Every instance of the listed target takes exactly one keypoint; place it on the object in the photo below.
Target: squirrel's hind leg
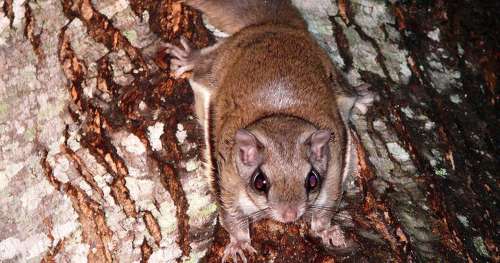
(184, 57)
(198, 62)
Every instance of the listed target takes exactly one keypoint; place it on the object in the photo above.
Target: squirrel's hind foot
(184, 58)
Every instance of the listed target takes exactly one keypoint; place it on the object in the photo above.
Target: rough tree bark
(100, 154)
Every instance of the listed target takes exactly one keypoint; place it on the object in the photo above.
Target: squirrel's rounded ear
(319, 143)
(247, 147)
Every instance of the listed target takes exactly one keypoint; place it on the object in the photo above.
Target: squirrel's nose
(289, 215)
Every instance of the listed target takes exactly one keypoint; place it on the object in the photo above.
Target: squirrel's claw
(236, 249)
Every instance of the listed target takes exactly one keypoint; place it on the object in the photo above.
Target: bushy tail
(231, 16)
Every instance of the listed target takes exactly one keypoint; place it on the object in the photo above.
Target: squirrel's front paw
(185, 57)
(236, 249)
(334, 238)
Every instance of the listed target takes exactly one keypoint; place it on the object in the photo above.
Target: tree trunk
(100, 153)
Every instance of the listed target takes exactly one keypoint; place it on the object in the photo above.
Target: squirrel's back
(231, 16)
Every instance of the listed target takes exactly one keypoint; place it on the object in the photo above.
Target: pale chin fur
(248, 207)
(276, 217)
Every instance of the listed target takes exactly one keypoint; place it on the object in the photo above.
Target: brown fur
(232, 16)
(270, 70)
(272, 79)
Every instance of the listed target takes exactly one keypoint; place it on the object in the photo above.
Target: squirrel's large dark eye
(259, 181)
(312, 180)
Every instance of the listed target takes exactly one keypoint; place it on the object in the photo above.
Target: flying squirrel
(275, 117)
